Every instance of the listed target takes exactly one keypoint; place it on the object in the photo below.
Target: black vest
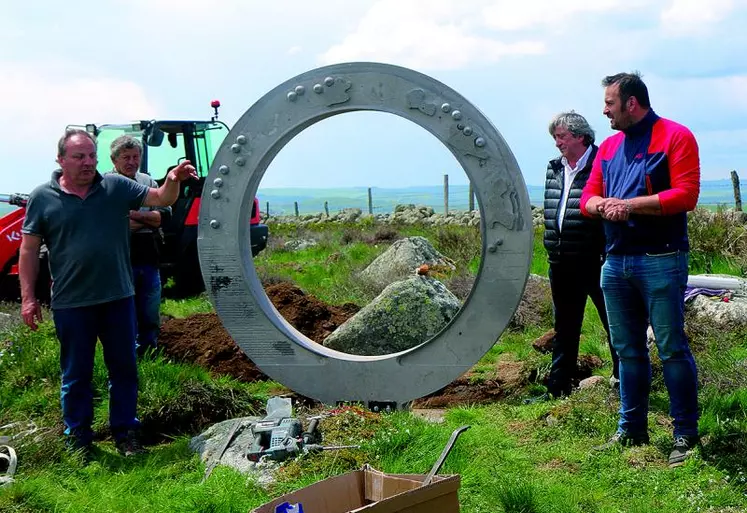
(581, 237)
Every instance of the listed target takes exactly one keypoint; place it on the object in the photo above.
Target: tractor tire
(44, 279)
(187, 275)
(10, 285)
(10, 289)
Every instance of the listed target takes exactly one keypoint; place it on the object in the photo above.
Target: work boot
(683, 446)
(623, 439)
(130, 444)
(84, 450)
(614, 383)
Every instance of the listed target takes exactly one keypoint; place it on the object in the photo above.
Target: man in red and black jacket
(643, 182)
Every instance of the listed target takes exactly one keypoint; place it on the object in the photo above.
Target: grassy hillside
(516, 458)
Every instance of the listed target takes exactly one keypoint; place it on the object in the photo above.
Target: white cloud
(37, 105)
(40, 103)
(442, 34)
(293, 50)
(689, 17)
(526, 14)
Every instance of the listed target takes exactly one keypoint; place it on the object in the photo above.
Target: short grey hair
(125, 142)
(575, 123)
(72, 132)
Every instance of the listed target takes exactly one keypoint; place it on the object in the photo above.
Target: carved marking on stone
(219, 282)
(416, 100)
(466, 146)
(337, 92)
(283, 347)
(509, 214)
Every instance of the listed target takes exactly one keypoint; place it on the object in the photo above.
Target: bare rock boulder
(591, 382)
(400, 261)
(209, 443)
(544, 343)
(720, 315)
(404, 315)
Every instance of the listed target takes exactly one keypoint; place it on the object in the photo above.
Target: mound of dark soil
(507, 378)
(306, 313)
(202, 340)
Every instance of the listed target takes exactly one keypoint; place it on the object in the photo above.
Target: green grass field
(515, 458)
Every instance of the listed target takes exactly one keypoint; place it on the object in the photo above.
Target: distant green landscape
(281, 199)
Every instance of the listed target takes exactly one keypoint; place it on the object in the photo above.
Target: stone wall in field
(403, 214)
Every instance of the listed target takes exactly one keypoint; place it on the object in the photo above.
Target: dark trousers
(77, 329)
(572, 281)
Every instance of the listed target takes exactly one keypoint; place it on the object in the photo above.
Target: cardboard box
(370, 491)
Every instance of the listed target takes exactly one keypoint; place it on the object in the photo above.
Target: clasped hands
(614, 209)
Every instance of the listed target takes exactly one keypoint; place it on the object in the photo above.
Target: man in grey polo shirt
(83, 217)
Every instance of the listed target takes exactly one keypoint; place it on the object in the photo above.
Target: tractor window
(208, 141)
(104, 140)
(162, 158)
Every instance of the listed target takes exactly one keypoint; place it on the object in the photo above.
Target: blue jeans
(643, 289)
(77, 329)
(147, 281)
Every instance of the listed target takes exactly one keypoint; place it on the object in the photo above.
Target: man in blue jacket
(644, 181)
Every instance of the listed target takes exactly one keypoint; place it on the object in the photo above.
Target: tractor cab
(165, 145)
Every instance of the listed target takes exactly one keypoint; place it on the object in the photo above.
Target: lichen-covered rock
(400, 261)
(404, 315)
(209, 443)
(720, 315)
(299, 244)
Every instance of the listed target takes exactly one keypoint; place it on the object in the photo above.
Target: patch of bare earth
(471, 388)
(201, 338)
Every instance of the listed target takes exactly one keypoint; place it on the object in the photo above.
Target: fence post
(267, 209)
(471, 197)
(737, 192)
(446, 194)
(326, 209)
(295, 207)
(370, 202)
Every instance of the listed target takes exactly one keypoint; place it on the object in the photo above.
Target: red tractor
(10, 242)
(165, 144)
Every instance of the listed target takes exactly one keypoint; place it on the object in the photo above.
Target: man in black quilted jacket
(575, 247)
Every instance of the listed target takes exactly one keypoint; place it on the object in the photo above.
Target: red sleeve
(594, 185)
(684, 174)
